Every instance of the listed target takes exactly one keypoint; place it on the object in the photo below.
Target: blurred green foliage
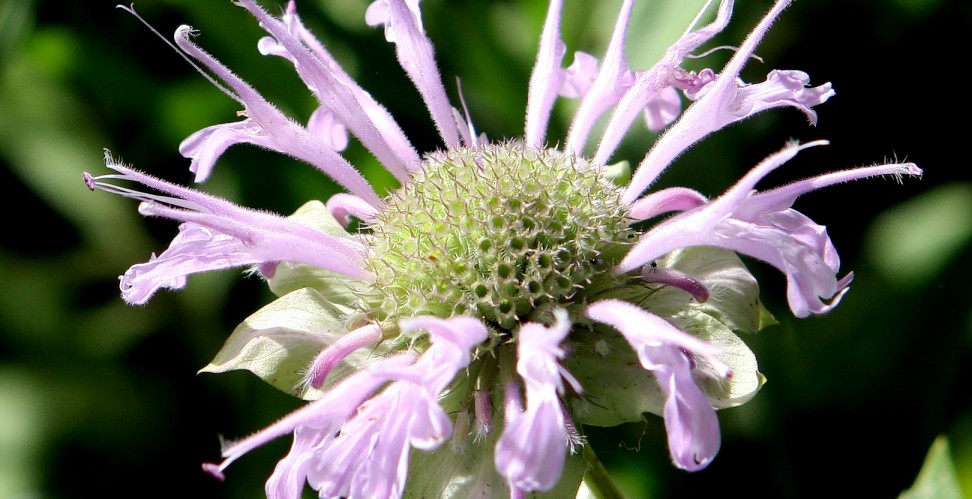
(937, 479)
(98, 398)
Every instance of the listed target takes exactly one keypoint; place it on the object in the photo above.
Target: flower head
(499, 269)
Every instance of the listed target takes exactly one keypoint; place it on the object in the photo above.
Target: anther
(89, 181)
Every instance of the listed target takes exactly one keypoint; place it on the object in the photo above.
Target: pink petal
(546, 79)
(763, 226)
(403, 27)
(264, 126)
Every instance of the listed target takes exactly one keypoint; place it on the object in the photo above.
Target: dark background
(101, 399)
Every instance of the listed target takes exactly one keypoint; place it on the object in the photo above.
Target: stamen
(214, 470)
(672, 277)
(698, 18)
(721, 47)
(99, 183)
(207, 76)
(473, 141)
(89, 181)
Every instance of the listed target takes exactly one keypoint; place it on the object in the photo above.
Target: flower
(530, 453)
(345, 446)
(498, 269)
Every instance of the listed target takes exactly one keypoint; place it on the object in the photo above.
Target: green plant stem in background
(597, 477)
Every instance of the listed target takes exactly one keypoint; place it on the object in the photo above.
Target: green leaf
(279, 341)
(937, 479)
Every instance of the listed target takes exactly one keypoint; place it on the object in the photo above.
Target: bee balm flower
(509, 292)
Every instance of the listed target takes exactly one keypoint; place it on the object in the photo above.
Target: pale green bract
(619, 390)
(278, 342)
(458, 474)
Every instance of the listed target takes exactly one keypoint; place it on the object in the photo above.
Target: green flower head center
(501, 233)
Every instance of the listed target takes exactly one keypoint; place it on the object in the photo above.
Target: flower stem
(597, 478)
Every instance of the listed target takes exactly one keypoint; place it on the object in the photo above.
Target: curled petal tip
(696, 463)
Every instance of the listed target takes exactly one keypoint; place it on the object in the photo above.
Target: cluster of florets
(498, 231)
